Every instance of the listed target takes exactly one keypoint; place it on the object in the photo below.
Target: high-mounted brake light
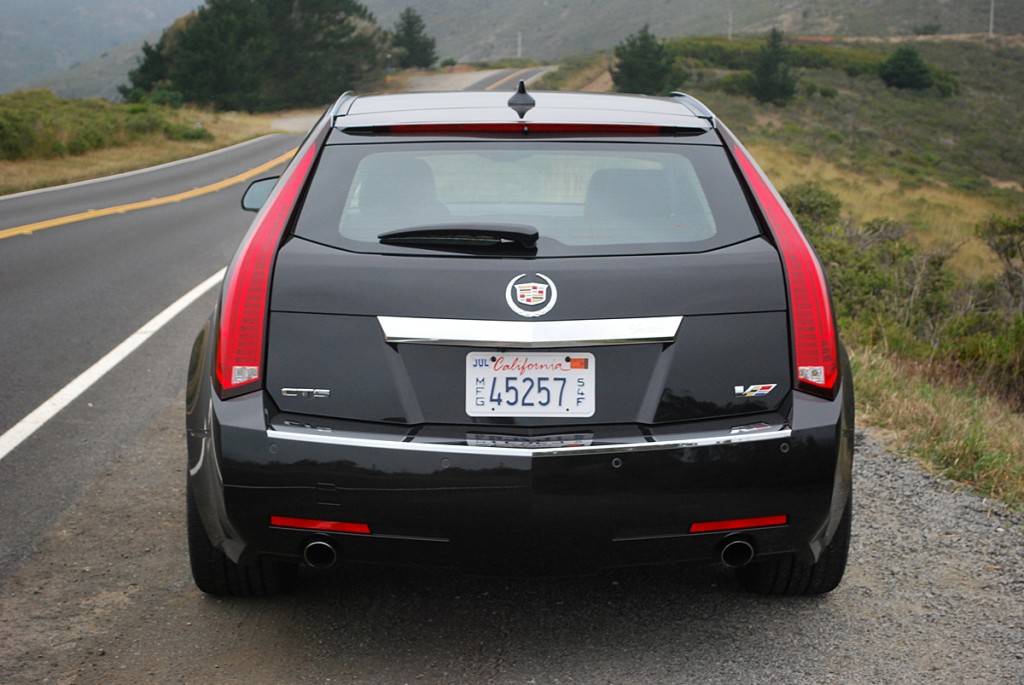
(518, 128)
(247, 287)
(814, 334)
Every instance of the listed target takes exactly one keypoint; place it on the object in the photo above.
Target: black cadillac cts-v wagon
(545, 334)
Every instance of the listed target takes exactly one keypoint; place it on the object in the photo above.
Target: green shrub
(167, 98)
(16, 137)
(812, 205)
(184, 132)
(906, 69)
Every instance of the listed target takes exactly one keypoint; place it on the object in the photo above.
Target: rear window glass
(583, 198)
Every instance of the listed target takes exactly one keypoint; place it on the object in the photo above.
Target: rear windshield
(582, 198)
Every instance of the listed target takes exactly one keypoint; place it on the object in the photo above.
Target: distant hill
(41, 37)
(472, 30)
(98, 77)
(92, 44)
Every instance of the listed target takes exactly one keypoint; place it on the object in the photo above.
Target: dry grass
(940, 218)
(951, 425)
(228, 128)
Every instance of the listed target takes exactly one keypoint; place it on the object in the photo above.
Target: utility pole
(991, 18)
(519, 44)
(729, 34)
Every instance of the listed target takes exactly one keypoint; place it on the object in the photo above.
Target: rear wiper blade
(468, 234)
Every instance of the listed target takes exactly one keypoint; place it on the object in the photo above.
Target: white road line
(70, 392)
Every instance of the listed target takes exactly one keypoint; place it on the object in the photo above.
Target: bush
(906, 69)
(812, 205)
(185, 132)
(1005, 236)
(16, 137)
(167, 98)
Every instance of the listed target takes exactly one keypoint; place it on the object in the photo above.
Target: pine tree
(643, 65)
(773, 81)
(414, 47)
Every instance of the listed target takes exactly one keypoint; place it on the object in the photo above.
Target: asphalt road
(94, 580)
(507, 79)
(70, 293)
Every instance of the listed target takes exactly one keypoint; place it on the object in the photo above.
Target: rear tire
(787, 576)
(214, 573)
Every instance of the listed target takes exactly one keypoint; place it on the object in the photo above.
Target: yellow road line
(146, 204)
(513, 75)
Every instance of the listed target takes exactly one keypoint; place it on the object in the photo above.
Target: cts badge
(753, 390)
(531, 295)
(318, 393)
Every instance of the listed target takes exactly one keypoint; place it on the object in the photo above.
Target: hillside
(470, 30)
(40, 37)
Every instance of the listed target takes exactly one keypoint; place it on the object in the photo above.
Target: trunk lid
(328, 355)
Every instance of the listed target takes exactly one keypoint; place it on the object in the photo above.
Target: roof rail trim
(694, 105)
(342, 105)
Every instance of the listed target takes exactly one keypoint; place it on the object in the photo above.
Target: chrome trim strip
(351, 441)
(529, 334)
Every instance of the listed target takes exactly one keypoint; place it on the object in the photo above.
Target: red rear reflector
(244, 312)
(814, 333)
(314, 524)
(737, 524)
(523, 128)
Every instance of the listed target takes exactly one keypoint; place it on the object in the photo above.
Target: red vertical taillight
(243, 315)
(814, 334)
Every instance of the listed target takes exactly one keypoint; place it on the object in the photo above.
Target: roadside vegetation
(39, 125)
(46, 140)
(904, 164)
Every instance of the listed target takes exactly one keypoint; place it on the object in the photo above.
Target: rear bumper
(526, 504)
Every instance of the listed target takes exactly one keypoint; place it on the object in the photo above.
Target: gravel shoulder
(934, 593)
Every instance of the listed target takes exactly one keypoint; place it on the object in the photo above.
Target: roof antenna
(521, 102)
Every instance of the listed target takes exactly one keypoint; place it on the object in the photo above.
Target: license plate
(530, 384)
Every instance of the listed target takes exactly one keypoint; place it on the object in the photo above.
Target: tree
(643, 65)
(263, 54)
(323, 48)
(906, 69)
(415, 47)
(219, 58)
(773, 80)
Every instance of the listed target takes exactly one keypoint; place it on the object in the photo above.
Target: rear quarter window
(583, 198)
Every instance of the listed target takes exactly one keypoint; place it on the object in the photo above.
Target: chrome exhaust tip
(737, 552)
(319, 554)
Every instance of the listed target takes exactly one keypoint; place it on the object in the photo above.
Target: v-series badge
(753, 390)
